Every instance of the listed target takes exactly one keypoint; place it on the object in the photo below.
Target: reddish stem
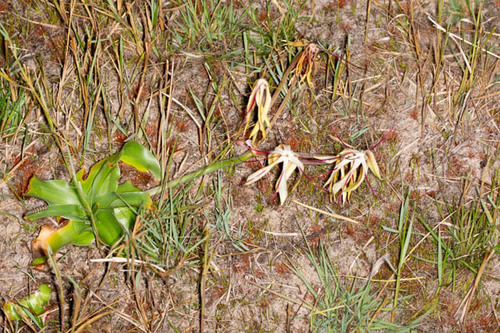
(382, 138)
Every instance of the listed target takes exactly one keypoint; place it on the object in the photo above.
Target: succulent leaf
(31, 304)
(53, 191)
(140, 158)
(73, 232)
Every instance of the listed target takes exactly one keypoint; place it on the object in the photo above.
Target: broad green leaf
(114, 207)
(125, 216)
(71, 212)
(127, 187)
(34, 303)
(103, 177)
(110, 230)
(53, 191)
(74, 232)
(140, 158)
(133, 199)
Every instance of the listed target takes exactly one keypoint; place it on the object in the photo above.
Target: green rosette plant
(92, 204)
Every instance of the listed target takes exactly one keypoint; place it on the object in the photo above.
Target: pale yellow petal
(372, 163)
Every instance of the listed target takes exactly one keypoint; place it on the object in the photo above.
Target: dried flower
(281, 154)
(305, 64)
(351, 168)
(262, 98)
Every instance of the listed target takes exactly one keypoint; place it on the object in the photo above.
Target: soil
(435, 150)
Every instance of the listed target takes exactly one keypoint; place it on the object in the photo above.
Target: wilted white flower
(281, 154)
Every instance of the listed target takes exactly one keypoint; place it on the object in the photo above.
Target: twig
(337, 216)
(127, 260)
(203, 277)
(464, 305)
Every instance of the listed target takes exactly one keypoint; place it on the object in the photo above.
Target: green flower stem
(203, 171)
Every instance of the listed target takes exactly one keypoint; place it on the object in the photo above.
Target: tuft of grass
(459, 9)
(349, 306)
(206, 25)
(170, 238)
(346, 306)
(221, 215)
(12, 108)
(470, 231)
(405, 229)
(265, 32)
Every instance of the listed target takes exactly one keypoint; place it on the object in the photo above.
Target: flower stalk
(201, 172)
